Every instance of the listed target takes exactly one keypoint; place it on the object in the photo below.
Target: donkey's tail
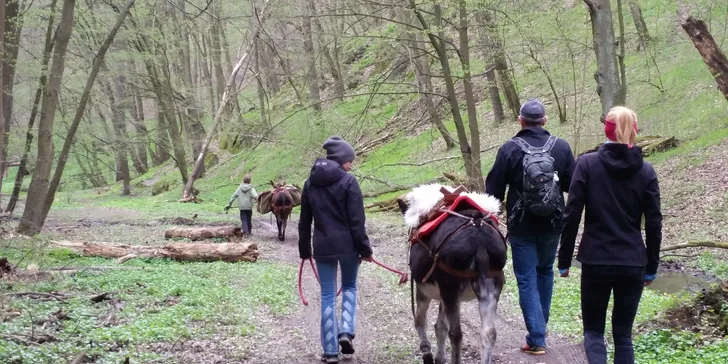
(482, 260)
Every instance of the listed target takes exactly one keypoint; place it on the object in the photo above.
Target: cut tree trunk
(193, 252)
(231, 233)
(649, 144)
(712, 55)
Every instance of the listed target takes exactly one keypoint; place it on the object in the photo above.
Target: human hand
(564, 272)
(649, 278)
(368, 259)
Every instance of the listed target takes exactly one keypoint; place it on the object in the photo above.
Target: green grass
(158, 301)
(668, 347)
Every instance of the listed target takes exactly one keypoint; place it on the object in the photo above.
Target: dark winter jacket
(508, 171)
(333, 201)
(617, 187)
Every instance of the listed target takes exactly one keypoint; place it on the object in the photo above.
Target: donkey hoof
(427, 358)
(281, 238)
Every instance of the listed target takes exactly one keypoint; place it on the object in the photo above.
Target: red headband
(610, 128)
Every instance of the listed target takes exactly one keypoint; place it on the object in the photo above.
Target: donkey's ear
(272, 183)
(402, 206)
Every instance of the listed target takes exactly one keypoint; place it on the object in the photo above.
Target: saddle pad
(430, 226)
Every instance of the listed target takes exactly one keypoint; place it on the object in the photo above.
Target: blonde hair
(626, 124)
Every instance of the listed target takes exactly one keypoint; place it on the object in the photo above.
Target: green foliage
(159, 301)
(669, 347)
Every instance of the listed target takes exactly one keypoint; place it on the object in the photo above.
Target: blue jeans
(330, 329)
(533, 264)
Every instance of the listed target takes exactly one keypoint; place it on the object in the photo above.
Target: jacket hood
(326, 172)
(620, 160)
(246, 187)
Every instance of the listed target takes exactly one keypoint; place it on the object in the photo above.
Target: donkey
(282, 205)
(461, 260)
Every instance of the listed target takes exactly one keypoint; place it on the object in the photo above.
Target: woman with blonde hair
(617, 188)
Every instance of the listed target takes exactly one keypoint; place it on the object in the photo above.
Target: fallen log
(193, 252)
(696, 244)
(398, 188)
(650, 144)
(230, 233)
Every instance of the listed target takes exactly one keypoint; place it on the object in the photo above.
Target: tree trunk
(188, 194)
(334, 66)
(98, 60)
(4, 123)
(639, 23)
(48, 45)
(259, 79)
(12, 29)
(712, 55)
(161, 153)
(486, 36)
(120, 141)
(32, 220)
(184, 252)
(311, 73)
(207, 72)
(216, 51)
(442, 56)
(138, 152)
(229, 233)
(473, 166)
(609, 85)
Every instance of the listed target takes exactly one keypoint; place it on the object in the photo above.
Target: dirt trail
(385, 332)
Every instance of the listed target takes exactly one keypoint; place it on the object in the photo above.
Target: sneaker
(347, 347)
(533, 350)
(330, 359)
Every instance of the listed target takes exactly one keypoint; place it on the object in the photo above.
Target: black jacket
(618, 188)
(508, 171)
(333, 201)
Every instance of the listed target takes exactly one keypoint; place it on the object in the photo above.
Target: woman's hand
(368, 259)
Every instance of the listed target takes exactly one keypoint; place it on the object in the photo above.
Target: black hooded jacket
(333, 202)
(617, 187)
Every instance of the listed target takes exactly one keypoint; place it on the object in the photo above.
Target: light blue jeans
(533, 265)
(330, 329)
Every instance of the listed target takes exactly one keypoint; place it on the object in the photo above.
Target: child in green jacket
(246, 196)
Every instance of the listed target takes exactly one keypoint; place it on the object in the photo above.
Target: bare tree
(712, 55)
(47, 48)
(308, 50)
(640, 25)
(609, 82)
(32, 220)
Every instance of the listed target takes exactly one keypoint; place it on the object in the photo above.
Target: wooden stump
(229, 233)
(193, 252)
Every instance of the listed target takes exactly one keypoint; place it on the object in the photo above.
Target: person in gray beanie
(332, 201)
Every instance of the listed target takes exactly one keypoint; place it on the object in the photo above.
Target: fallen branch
(80, 358)
(18, 339)
(55, 296)
(696, 244)
(650, 144)
(401, 188)
(100, 297)
(192, 252)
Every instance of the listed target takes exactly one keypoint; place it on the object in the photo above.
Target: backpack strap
(525, 147)
(549, 144)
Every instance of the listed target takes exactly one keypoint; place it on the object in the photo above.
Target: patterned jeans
(330, 329)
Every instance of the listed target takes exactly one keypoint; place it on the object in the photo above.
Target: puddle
(671, 282)
(674, 282)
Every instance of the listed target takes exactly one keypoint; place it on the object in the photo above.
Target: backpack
(541, 192)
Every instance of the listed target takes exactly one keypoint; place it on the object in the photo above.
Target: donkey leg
(423, 304)
(441, 328)
(488, 292)
(452, 312)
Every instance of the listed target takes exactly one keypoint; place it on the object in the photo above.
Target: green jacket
(246, 196)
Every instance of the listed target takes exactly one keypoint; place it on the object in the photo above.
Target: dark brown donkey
(460, 260)
(281, 205)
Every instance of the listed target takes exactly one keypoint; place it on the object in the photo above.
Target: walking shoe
(347, 347)
(533, 350)
(330, 359)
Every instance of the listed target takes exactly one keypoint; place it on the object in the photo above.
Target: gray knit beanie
(339, 150)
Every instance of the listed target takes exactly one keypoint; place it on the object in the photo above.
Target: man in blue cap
(537, 168)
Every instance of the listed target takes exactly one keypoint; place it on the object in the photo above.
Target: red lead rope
(402, 280)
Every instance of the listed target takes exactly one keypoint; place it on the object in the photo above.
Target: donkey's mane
(422, 199)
